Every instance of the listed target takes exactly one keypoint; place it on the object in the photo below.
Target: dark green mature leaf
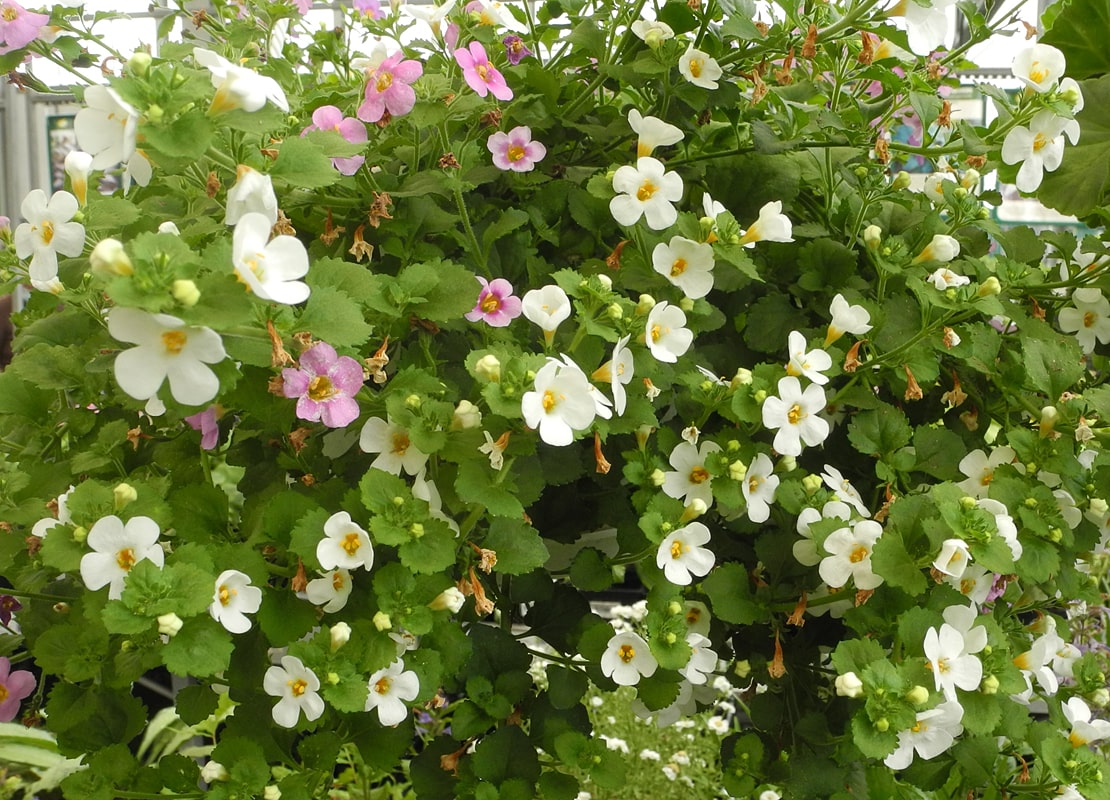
(476, 483)
(518, 546)
(880, 431)
(1077, 31)
(729, 592)
(1052, 365)
(891, 560)
(330, 315)
(201, 648)
(302, 162)
(1082, 181)
(505, 754)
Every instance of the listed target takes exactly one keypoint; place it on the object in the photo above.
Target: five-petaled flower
(18, 26)
(652, 132)
(809, 363)
(391, 689)
(1089, 320)
(107, 129)
(627, 658)
(771, 226)
(480, 74)
(666, 336)
(849, 550)
(1038, 147)
(238, 87)
(699, 68)
(646, 190)
(392, 444)
(253, 192)
(14, 687)
(389, 88)
(690, 480)
(515, 150)
(795, 414)
(233, 599)
(1039, 67)
(685, 263)
(681, 555)
(298, 687)
(934, 731)
(270, 268)
(515, 49)
(497, 306)
(562, 402)
(325, 384)
(49, 230)
(330, 118)
(617, 371)
(117, 547)
(758, 487)
(345, 545)
(330, 591)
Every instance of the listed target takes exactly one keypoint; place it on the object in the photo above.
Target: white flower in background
(490, 12)
(944, 278)
(617, 372)
(269, 267)
(344, 545)
(48, 230)
(330, 591)
(43, 526)
(1039, 67)
(975, 584)
(934, 186)
(1039, 148)
(434, 15)
(772, 226)
(1007, 529)
(233, 599)
(685, 263)
(1036, 662)
(758, 486)
(547, 307)
(652, 132)
(647, 754)
(953, 558)
(844, 489)
(849, 556)
(926, 25)
(107, 129)
(979, 469)
(1083, 729)
(646, 190)
(703, 660)
(942, 248)
(167, 348)
(426, 490)
(699, 68)
(1068, 509)
(561, 403)
(117, 547)
(652, 32)
(78, 164)
(805, 549)
(494, 450)
(682, 557)
(666, 336)
(627, 657)
(297, 686)
(395, 450)
(1071, 93)
(390, 691)
(238, 87)
(932, 734)
(1089, 320)
(718, 725)
(952, 660)
(253, 192)
(795, 415)
(697, 617)
(810, 363)
(846, 318)
(690, 480)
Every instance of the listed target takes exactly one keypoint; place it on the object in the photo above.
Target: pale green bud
(882, 725)
(186, 293)
(123, 494)
(918, 695)
(989, 287)
(811, 483)
(382, 621)
(657, 477)
(109, 260)
(169, 624)
(674, 608)
(488, 367)
(901, 181)
(737, 470)
(989, 685)
(614, 311)
(340, 634)
(686, 304)
(645, 304)
(139, 63)
(872, 236)
(849, 685)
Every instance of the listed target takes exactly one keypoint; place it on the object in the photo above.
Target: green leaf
(1077, 31)
(331, 315)
(110, 213)
(880, 431)
(182, 589)
(1082, 181)
(729, 593)
(431, 552)
(188, 137)
(897, 567)
(195, 703)
(476, 484)
(201, 648)
(1052, 365)
(518, 546)
(938, 453)
(504, 754)
(302, 162)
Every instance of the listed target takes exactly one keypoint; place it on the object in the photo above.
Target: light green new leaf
(302, 162)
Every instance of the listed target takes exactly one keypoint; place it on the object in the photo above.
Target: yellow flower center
(626, 653)
(693, 615)
(695, 67)
(174, 341)
(226, 594)
(967, 585)
(549, 401)
(126, 559)
(320, 388)
(337, 581)
(1039, 142)
(351, 543)
(298, 687)
(1076, 740)
(699, 475)
(918, 727)
(3, 688)
(677, 548)
(644, 193)
(643, 149)
(384, 81)
(9, 14)
(859, 554)
(483, 72)
(47, 232)
(795, 414)
(383, 685)
(678, 267)
(753, 483)
(516, 152)
(490, 304)
(400, 444)
(1037, 73)
(656, 332)
(1089, 319)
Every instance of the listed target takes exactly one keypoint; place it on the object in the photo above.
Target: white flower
(769, 794)
(617, 372)
(699, 68)
(646, 190)
(450, 599)
(213, 771)
(772, 226)
(167, 348)
(681, 556)
(685, 263)
(844, 489)
(718, 725)
(48, 230)
(703, 661)
(697, 617)
(979, 469)
(238, 87)
(690, 480)
(846, 319)
(953, 558)
(612, 742)
(561, 403)
(942, 248)
(849, 556)
(78, 164)
(652, 132)
(252, 192)
(805, 549)
(666, 337)
(758, 487)
(975, 584)
(117, 547)
(43, 526)
(297, 687)
(652, 32)
(330, 591)
(1089, 319)
(795, 415)
(849, 685)
(344, 545)
(1083, 729)
(627, 658)
(944, 278)
(927, 25)
(934, 732)
(647, 754)
(390, 689)
(494, 449)
(952, 664)
(107, 129)
(934, 186)
(1038, 148)
(1039, 67)
(392, 443)
(269, 268)
(810, 363)
(1005, 524)
(547, 307)
(233, 599)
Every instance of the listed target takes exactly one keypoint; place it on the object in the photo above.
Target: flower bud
(786, 464)
(214, 771)
(674, 608)
(970, 179)
(737, 470)
(186, 293)
(169, 227)
(109, 260)
(169, 624)
(1071, 94)
(416, 529)
(645, 304)
(332, 678)
(605, 280)
(466, 416)
(696, 508)
(78, 164)
(686, 304)
(139, 63)
(1100, 697)
(155, 113)
(989, 287)
(1049, 417)
(123, 494)
(1098, 506)
(382, 621)
(901, 181)
(811, 483)
(614, 311)
(849, 685)
(760, 395)
(643, 432)
(413, 402)
(743, 668)
(743, 377)
(450, 599)
(989, 685)
(959, 192)
(918, 695)
(941, 248)
(967, 503)
(271, 792)
(882, 725)
(80, 533)
(340, 634)
(657, 477)
(488, 367)
(872, 236)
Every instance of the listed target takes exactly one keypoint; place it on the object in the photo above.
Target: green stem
(49, 598)
(468, 229)
(556, 659)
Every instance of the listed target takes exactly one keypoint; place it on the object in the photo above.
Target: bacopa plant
(399, 339)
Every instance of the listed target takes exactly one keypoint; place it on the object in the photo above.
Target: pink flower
(496, 303)
(388, 89)
(480, 74)
(325, 386)
(14, 686)
(18, 26)
(369, 8)
(330, 118)
(303, 6)
(515, 49)
(515, 150)
(205, 422)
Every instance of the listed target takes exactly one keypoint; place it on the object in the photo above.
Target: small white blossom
(942, 248)
(979, 469)
(239, 87)
(253, 192)
(682, 557)
(689, 480)
(646, 190)
(850, 550)
(618, 372)
(944, 278)
(772, 226)
(270, 268)
(297, 686)
(627, 658)
(810, 363)
(699, 68)
(345, 544)
(1038, 147)
(795, 414)
(666, 336)
(117, 547)
(562, 402)
(953, 558)
(805, 549)
(547, 307)
(652, 132)
(395, 450)
(48, 231)
(844, 489)
(233, 599)
(1089, 320)
(685, 263)
(703, 660)
(1039, 67)
(933, 733)
(846, 319)
(391, 689)
(759, 487)
(330, 591)
(652, 32)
